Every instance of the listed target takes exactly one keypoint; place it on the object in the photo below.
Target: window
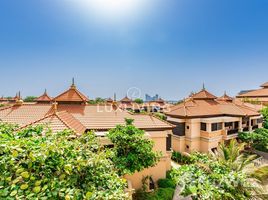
(260, 120)
(228, 124)
(179, 130)
(236, 125)
(216, 126)
(168, 143)
(203, 126)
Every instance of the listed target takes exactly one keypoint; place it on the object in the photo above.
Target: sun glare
(111, 10)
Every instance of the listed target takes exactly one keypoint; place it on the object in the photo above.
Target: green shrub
(159, 194)
(57, 166)
(166, 183)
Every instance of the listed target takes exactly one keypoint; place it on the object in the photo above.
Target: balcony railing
(233, 131)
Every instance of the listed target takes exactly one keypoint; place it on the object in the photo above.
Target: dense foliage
(133, 152)
(264, 113)
(226, 175)
(98, 100)
(29, 99)
(160, 116)
(257, 139)
(139, 101)
(186, 158)
(36, 164)
(164, 191)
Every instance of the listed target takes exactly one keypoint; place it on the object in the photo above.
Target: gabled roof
(265, 85)
(203, 94)
(44, 98)
(109, 100)
(71, 95)
(208, 107)
(225, 97)
(60, 121)
(126, 99)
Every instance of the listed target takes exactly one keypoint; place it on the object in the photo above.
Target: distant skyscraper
(151, 98)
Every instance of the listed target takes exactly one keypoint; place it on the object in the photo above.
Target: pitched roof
(203, 94)
(255, 93)
(71, 95)
(265, 85)
(126, 99)
(225, 97)
(60, 121)
(193, 107)
(44, 98)
(24, 114)
(105, 117)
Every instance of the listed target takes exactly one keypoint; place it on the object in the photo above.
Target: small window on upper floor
(216, 126)
(203, 127)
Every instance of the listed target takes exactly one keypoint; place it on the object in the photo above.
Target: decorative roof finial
(114, 96)
(225, 93)
(45, 93)
(204, 86)
(73, 84)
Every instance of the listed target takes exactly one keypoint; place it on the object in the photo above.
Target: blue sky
(169, 47)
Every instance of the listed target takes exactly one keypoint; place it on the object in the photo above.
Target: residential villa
(70, 110)
(259, 96)
(203, 121)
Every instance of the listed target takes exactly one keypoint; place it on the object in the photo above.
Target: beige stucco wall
(178, 143)
(159, 171)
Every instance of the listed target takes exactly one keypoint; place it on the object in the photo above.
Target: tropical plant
(133, 152)
(264, 113)
(38, 164)
(258, 139)
(98, 100)
(227, 174)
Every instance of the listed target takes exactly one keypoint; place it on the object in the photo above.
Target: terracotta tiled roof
(126, 99)
(104, 117)
(225, 97)
(24, 114)
(203, 94)
(44, 98)
(77, 117)
(255, 93)
(265, 85)
(71, 95)
(210, 107)
(60, 121)
(109, 100)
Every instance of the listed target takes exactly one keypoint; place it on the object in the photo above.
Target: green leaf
(24, 186)
(37, 189)
(13, 193)
(25, 175)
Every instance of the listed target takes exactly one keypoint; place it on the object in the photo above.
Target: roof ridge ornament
(73, 86)
(204, 88)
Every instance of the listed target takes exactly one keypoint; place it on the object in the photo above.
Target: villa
(70, 110)
(259, 96)
(203, 121)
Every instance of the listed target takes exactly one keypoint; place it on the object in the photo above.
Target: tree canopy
(133, 152)
(29, 99)
(38, 164)
(225, 175)
(258, 139)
